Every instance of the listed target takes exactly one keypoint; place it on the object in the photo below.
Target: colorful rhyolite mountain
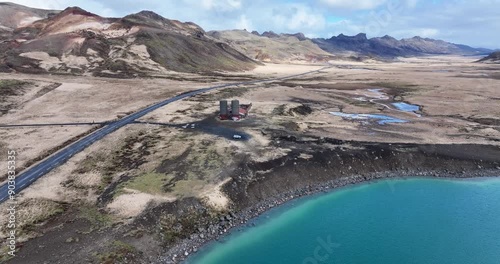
(74, 41)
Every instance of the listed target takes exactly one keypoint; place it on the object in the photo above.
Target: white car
(236, 136)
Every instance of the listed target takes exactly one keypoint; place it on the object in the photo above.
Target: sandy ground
(215, 197)
(132, 203)
(280, 70)
(32, 142)
(87, 99)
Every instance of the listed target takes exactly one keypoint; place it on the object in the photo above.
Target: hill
(271, 47)
(79, 42)
(492, 58)
(13, 15)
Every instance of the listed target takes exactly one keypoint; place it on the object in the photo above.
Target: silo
(235, 108)
(223, 108)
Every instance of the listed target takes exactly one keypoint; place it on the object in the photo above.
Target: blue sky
(475, 23)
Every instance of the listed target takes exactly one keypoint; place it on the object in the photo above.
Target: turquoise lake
(406, 221)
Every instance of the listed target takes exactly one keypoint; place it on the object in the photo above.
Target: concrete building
(237, 111)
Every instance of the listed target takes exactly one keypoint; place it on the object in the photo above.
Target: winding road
(30, 175)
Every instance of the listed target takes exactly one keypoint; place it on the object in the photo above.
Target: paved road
(33, 173)
(52, 124)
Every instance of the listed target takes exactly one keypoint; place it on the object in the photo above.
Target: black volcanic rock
(492, 58)
(153, 20)
(255, 33)
(358, 43)
(361, 37)
(75, 10)
(270, 34)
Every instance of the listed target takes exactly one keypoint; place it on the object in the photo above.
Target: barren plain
(157, 189)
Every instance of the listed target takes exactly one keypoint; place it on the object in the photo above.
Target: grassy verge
(97, 219)
(129, 155)
(183, 175)
(10, 84)
(148, 183)
(10, 88)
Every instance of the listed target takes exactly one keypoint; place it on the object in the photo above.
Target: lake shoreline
(318, 164)
(243, 219)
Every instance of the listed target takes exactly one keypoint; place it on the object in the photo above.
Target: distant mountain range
(389, 47)
(271, 47)
(74, 41)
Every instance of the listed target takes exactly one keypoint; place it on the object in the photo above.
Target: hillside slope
(78, 42)
(492, 58)
(271, 47)
(13, 15)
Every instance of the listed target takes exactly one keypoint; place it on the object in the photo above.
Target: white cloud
(411, 3)
(422, 32)
(354, 5)
(43, 4)
(428, 32)
(244, 23)
(221, 5)
(346, 27)
(298, 17)
(468, 22)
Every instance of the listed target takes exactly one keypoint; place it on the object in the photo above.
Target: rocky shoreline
(320, 165)
(183, 249)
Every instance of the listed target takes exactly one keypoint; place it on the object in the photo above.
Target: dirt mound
(288, 110)
(302, 110)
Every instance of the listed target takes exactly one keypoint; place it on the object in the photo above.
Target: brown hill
(13, 16)
(271, 47)
(78, 42)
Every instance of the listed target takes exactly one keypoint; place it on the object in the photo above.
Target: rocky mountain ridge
(75, 41)
(389, 47)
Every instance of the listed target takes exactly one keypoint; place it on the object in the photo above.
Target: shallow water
(415, 221)
(406, 107)
(380, 119)
(377, 93)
